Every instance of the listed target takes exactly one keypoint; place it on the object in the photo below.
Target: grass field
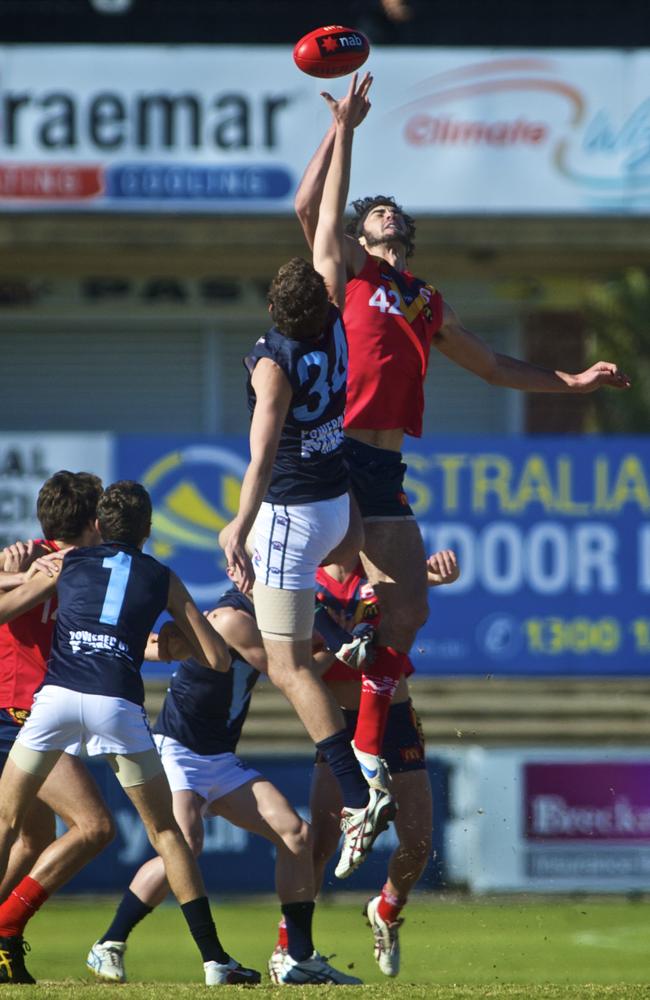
(451, 948)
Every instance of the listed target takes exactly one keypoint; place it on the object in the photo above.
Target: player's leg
(21, 779)
(39, 826)
(147, 890)
(146, 784)
(404, 750)
(394, 559)
(325, 809)
(259, 807)
(367, 811)
(290, 542)
(38, 830)
(22, 776)
(392, 554)
(70, 789)
(414, 827)
(395, 563)
(290, 669)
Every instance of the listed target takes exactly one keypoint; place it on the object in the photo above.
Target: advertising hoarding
(552, 537)
(231, 128)
(551, 820)
(28, 459)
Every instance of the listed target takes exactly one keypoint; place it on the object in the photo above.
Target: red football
(331, 51)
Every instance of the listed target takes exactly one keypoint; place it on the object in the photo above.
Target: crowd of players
(318, 505)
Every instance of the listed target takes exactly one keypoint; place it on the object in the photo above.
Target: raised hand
(354, 107)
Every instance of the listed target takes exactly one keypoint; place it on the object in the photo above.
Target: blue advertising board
(235, 861)
(552, 536)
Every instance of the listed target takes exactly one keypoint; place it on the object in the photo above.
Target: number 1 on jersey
(120, 567)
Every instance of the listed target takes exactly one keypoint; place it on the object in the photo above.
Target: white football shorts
(210, 776)
(62, 719)
(291, 541)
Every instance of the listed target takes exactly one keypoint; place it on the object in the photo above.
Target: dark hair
(299, 300)
(361, 207)
(124, 513)
(66, 502)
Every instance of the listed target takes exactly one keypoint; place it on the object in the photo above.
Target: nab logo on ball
(195, 493)
(331, 51)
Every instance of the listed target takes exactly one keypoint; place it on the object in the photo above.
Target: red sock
(390, 905)
(377, 689)
(20, 906)
(283, 937)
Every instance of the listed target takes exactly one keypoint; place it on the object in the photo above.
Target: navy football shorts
(377, 480)
(11, 720)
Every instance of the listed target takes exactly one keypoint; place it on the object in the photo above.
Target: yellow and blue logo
(195, 493)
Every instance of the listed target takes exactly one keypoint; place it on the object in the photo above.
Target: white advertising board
(231, 128)
(27, 460)
(550, 820)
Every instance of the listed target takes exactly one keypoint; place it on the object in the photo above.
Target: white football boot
(276, 963)
(231, 973)
(386, 938)
(312, 970)
(106, 960)
(361, 827)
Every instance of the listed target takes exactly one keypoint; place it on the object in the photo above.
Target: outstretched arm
(471, 352)
(309, 196)
(272, 398)
(25, 597)
(329, 239)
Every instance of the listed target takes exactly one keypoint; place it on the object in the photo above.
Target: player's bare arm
(310, 190)
(28, 595)
(240, 632)
(272, 397)
(210, 647)
(329, 238)
(442, 568)
(471, 352)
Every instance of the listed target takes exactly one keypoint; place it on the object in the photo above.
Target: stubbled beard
(385, 241)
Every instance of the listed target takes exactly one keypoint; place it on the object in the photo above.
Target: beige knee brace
(38, 762)
(135, 768)
(284, 615)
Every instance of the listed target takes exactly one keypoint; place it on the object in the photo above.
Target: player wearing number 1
(109, 597)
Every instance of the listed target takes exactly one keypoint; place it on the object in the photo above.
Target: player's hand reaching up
(603, 373)
(354, 107)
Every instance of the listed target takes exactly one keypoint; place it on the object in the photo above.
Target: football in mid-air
(331, 51)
